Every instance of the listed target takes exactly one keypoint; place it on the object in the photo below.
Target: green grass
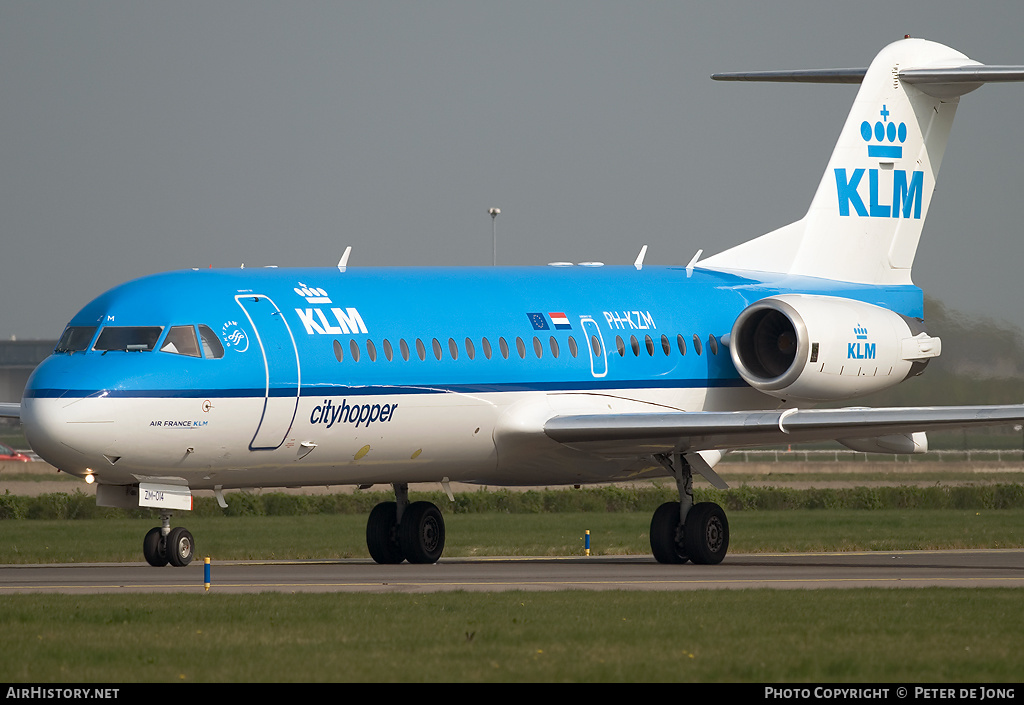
(870, 635)
(934, 635)
(320, 536)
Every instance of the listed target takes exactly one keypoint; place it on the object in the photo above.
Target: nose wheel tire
(180, 547)
(154, 548)
(177, 548)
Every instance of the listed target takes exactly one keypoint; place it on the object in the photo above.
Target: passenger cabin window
(181, 340)
(128, 338)
(75, 339)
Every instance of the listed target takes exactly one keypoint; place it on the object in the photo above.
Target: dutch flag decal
(561, 321)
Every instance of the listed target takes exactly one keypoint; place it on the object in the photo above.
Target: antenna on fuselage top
(640, 257)
(693, 262)
(343, 262)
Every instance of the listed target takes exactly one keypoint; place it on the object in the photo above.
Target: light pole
(495, 212)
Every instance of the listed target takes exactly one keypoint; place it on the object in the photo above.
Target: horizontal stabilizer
(796, 76)
(942, 81)
(971, 73)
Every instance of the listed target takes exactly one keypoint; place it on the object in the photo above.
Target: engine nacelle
(825, 348)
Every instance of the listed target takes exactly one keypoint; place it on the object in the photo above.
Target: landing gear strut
(164, 545)
(682, 531)
(398, 531)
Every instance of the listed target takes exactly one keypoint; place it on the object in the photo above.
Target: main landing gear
(398, 531)
(164, 545)
(682, 531)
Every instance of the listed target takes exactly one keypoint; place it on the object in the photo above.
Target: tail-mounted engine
(823, 348)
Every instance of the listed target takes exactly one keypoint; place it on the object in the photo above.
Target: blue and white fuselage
(321, 376)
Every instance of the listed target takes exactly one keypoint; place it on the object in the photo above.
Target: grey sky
(144, 136)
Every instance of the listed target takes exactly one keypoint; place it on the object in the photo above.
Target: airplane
(221, 379)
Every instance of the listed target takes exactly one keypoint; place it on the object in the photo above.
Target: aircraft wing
(649, 433)
(11, 410)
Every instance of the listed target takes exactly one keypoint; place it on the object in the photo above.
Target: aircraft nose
(64, 429)
(66, 434)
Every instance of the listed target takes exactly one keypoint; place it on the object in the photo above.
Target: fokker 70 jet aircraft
(275, 377)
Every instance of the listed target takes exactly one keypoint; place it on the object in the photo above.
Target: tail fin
(865, 219)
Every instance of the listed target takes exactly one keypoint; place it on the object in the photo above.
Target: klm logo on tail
(884, 141)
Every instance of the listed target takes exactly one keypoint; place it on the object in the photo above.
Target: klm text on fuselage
(315, 321)
(906, 195)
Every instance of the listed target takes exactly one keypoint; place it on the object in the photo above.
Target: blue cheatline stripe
(378, 390)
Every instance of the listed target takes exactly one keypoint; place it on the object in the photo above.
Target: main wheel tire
(154, 548)
(706, 534)
(180, 547)
(382, 534)
(421, 533)
(667, 535)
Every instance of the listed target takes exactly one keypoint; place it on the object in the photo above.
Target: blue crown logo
(885, 133)
(861, 332)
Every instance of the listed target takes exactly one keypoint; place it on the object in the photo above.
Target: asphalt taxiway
(969, 568)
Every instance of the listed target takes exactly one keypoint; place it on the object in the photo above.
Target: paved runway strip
(988, 568)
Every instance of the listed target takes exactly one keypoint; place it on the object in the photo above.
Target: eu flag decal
(538, 321)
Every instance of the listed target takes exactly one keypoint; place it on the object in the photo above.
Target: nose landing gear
(163, 545)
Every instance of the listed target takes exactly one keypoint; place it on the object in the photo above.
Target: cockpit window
(181, 340)
(128, 338)
(75, 339)
(212, 347)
